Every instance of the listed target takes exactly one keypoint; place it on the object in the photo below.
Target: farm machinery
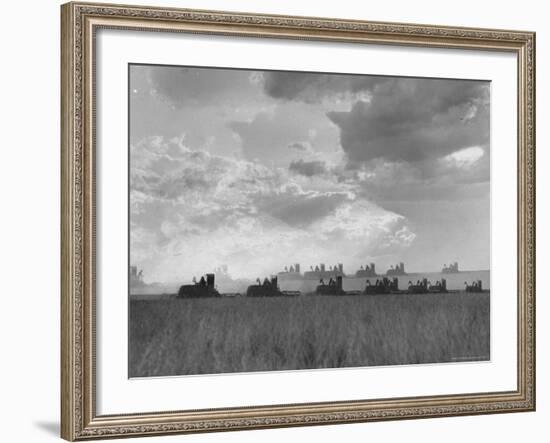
(333, 287)
(383, 286)
(424, 286)
(268, 288)
(201, 289)
(476, 286)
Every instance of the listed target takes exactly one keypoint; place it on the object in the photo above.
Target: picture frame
(80, 23)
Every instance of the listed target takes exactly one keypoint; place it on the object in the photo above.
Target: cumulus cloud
(414, 120)
(464, 158)
(411, 137)
(206, 210)
(384, 231)
(337, 164)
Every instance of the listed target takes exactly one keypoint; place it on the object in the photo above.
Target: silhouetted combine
(334, 287)
(439, 286)
(382, 286)
(204, 288)
(421, 287)
(291, 272)
(367, 271)
(451, 269)
(474, 287)
(424, 286)
(323, 273)
(399, 269)
(269, 288)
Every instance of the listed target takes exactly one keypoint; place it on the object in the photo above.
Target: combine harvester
(438, 287)
(321, 272)
(383, 286)
(425, 287)
(269, 289)
(334, 287)
(203, 289)
(399, 269)
(367, 271)
(451, 269)
(476, 286)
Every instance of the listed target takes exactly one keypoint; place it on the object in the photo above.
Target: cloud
(210, 188)
(169, 171)
(406, 137)
(315, 87)
(184, 86)
(296, 207)
(288, 132)
(336, 164)
(207, 210)
(308, 168)
(197, 102)
(464, 158)
(415, 119)
(430, 180)
(347, 221)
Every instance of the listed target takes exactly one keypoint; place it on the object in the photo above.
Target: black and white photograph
(314, 221)
(283, 221)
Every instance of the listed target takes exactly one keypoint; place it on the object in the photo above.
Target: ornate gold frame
(79, 21)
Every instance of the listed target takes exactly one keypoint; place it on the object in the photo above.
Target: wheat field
(221, 335)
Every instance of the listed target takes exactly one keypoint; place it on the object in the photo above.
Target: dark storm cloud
(312, 87)
(415, 119)
(308, 168)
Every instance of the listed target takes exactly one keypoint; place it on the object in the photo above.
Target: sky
(257, 170)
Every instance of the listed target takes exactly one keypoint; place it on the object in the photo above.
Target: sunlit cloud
(209, 210)
(464, 157)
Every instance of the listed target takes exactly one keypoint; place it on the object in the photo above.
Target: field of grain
(220, 335)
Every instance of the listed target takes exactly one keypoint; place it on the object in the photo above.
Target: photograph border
(79, 24)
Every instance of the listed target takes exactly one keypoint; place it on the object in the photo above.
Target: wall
(29, 233)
